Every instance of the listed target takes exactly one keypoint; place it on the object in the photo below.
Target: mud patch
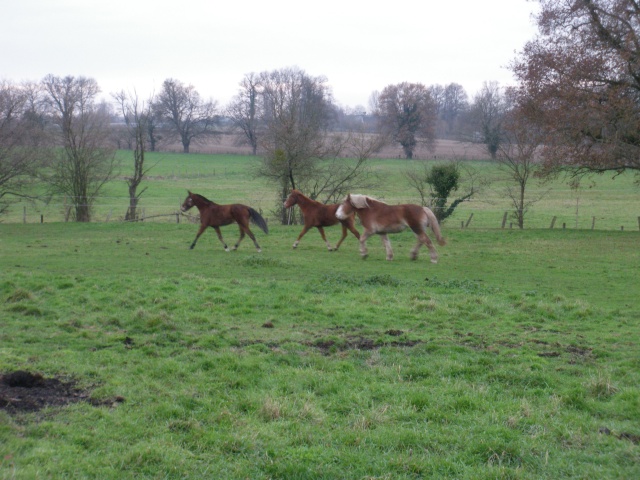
(357, 343)
(23, 391)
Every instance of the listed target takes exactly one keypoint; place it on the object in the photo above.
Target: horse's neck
(372, 202)
(201, 202)
(303, 201)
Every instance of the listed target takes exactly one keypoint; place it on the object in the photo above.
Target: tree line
(575, 108)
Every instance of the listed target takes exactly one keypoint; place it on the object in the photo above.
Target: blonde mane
(361, 201)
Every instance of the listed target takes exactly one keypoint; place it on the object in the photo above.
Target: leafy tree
(436, 183)
(407, 115)
(189, 117)
(582, 74)
(81, 159)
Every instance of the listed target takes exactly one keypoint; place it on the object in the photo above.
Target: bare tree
(301, 151)
(244, 110)
(81, 159)
(407, 115)
(582, 72)
(518, 158)
(137, 116)
(297, 118)
(454, 104)
(20, 134)
(487, 112)
(190, 118)
(335, 177)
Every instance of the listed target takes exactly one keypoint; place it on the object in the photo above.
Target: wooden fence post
(41, 218)
(593, 222)
(564, 226)
(638, 223)
(553, 222)
(504, 219)
(24, 214)
(469, 220)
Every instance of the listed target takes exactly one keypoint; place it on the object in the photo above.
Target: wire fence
(467, 215)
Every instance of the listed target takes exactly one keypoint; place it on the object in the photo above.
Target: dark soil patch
(23, 391)
(358, 343)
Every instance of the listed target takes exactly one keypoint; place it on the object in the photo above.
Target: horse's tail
(258, 220)
(435, 226)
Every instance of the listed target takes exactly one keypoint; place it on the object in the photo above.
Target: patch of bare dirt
(23, 391)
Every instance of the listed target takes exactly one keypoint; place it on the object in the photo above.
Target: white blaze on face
(340, 213)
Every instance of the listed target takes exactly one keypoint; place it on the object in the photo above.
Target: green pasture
(516, 356)
(603, 201)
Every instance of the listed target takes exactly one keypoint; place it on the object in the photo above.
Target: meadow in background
(614, 201)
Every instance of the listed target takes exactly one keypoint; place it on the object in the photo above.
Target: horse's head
(292, 199)
(345, 209)
(188, 202)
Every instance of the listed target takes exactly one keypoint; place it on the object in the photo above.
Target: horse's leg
(246, 230)
(217, 229)
(423, 238)
(324, 237)
(363, 244)
(387, 245)
(243, 229)
(200, 230)
(305, 229)
(344, 235)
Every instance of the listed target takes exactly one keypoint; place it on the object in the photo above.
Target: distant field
(227, 178)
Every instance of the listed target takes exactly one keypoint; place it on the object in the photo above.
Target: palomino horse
(319, 215)
(216, 216)
(379, 218)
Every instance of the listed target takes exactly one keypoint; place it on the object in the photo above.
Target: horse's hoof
(191, 247)
(364, 257)
(259, 250)
(434, 261)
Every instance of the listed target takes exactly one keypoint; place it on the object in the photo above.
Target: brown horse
(319, 215)
(216, 216)
(380, 218)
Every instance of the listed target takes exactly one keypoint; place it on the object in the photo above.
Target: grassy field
(614, 202)
(516, 356)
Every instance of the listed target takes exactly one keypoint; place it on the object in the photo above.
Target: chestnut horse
(319, 215)
(216, 216)
(380, 218)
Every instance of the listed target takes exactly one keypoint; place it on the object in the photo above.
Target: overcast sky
(360, 46)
